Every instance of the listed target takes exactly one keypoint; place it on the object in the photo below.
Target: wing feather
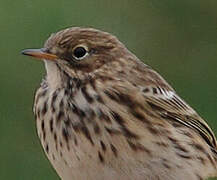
(169, 105)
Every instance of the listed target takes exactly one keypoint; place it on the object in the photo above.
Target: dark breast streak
(59, 113)
(67, 114)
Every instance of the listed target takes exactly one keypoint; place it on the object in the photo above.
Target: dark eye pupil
(79, 52)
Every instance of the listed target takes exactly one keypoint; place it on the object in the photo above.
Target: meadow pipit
(101, 114)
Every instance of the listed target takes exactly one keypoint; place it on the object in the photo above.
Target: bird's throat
(54, 78)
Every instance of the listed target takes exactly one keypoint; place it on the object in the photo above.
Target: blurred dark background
(177, 38)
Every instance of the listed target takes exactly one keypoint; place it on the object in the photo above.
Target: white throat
(53, 74)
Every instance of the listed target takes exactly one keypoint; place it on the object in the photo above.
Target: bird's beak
(39, 54)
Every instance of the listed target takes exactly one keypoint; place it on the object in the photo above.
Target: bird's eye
(79, 52)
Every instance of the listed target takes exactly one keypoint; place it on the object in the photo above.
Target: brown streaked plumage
(103, 114)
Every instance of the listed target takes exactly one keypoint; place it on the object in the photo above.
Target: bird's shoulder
(146, 89)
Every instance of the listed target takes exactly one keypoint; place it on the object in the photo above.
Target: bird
(102, 113)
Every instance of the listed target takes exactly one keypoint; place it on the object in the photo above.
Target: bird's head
(80, 51)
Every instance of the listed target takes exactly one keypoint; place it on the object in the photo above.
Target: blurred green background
(176, 37)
